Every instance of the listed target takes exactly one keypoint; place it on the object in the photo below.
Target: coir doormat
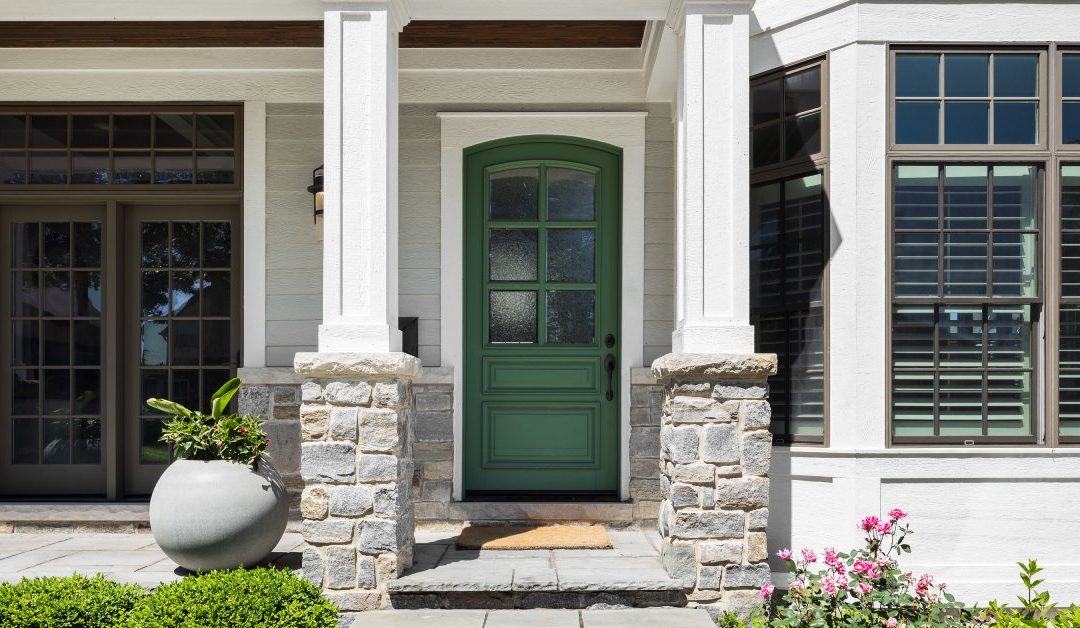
(533, 537)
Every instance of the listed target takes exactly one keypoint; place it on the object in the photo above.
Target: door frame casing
(624, 130)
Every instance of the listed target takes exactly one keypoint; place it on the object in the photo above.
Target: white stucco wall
(976, 511)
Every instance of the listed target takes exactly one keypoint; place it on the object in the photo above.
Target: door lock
(609, 366)
(609, 341)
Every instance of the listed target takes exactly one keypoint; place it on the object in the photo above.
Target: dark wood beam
(148, 34)
(523, 34)
(309, 34)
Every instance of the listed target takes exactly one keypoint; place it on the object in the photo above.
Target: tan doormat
(533, 537)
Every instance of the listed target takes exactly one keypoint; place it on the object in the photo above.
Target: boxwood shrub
(71, 602)
(270, 598)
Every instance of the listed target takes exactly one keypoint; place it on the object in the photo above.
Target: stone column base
(356, 462)
(714, 459)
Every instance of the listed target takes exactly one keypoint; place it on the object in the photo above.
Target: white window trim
(625, 130)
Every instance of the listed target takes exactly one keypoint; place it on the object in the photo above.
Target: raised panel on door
(183, 321)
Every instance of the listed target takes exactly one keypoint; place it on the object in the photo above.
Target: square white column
(712, 116)
(360, 220)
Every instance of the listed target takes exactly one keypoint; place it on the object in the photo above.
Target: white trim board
(625, 130)
(254, 242)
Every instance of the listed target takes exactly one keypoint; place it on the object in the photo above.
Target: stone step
(85, 517)
(443, 576)
(617, 513)
(550, 618)
(75, 517)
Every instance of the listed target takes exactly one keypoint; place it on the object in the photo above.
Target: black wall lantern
(316, 190)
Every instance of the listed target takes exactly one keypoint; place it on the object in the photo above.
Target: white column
(712, 115)
(360, 238)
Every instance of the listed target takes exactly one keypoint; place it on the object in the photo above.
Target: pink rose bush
(863, 587)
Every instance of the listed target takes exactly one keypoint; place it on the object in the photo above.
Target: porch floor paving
(131, 558)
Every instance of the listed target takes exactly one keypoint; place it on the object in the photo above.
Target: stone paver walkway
(132, 558)
(632, 565)
(621, 618)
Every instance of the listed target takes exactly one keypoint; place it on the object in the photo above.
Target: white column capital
(679, 9)
(397, 10)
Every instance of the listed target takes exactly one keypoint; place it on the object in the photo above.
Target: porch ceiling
(309, 34)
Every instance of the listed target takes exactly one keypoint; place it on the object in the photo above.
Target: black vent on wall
(410, 334)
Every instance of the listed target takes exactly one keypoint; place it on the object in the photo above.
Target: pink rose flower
(862, 566)
(830, 585)
(884, 527)
(869, 523)
(830, 556)
(809, 555)
(865, 588)
(896, 514)
(840, 569)
(922, 587)
(797, 585)
(891, 623)
(873, 573)
(784, 554)
(767, 591)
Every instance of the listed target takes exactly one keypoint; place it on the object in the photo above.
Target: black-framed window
(968, 98)
(118, 147)
(787, 263)
(966, 300)
(786, 116)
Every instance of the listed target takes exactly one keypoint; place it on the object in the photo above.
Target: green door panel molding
(541, 320)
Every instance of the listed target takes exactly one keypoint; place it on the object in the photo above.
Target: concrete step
(549, 618)
(617, 513)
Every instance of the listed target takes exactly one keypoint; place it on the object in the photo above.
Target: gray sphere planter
(216, 514)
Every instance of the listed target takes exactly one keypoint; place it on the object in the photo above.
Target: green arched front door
(542, 223)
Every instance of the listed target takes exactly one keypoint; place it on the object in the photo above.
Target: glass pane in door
(185, 313)
(55, 329)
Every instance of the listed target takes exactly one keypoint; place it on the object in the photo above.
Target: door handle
(609, 365)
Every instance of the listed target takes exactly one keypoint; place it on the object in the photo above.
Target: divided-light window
(788, 245)
(785, 113)
(985, 246)
(967, 98)
(118, 147)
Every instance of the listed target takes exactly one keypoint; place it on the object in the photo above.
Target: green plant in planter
(215, 436)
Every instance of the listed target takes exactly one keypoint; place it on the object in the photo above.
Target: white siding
(659, 232)
(293, 257)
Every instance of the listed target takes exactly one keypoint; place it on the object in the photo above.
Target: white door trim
(626, 130)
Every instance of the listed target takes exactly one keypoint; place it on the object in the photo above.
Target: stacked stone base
(356, 462)
(715, 447)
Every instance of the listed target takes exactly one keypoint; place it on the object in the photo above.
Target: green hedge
(72, 602)
(241, 599)
(270, 598)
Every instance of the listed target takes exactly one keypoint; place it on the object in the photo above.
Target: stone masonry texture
(357, 463)
(714, 450)
(279, 407)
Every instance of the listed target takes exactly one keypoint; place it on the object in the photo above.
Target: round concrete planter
(216, 514)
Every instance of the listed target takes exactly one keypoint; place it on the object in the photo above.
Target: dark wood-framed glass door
(182, 323)
(54, 301)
